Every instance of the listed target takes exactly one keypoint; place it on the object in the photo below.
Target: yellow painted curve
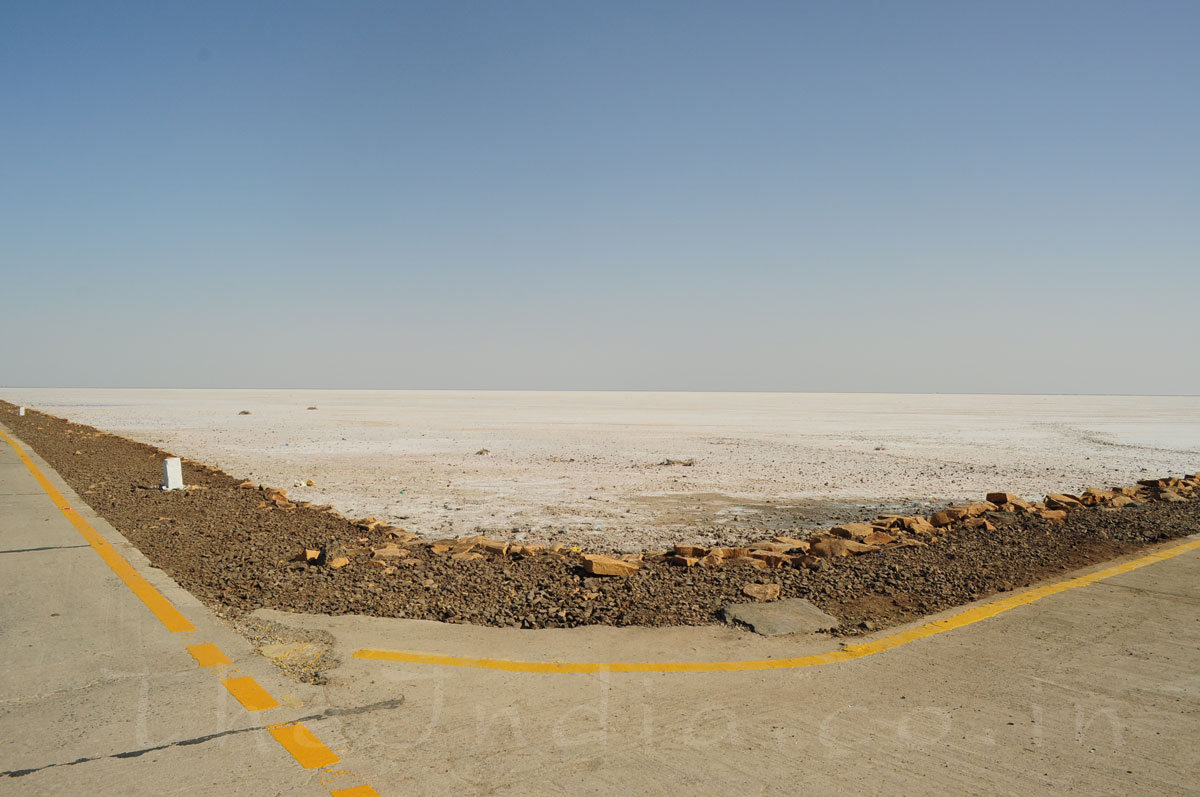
(849, 653)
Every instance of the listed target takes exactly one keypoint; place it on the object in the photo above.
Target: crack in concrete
(329, 713)
(1148, 591)
(46, 548)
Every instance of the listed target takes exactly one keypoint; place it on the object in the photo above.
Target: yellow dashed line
(138, 585)
(208, 655)
(357, 791)
(250, 694)
(306, 748)
(849, 653)
(298, 740)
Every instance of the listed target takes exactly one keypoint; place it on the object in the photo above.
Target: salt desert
(585, 467)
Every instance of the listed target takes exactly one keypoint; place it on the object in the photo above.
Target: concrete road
(97, 695)
(1094, 690)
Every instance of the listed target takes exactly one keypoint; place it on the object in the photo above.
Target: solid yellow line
(849, 653)
(138, 585)
(250, 694)
(208, 655)
(306, 748)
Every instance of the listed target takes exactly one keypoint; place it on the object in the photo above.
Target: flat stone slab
(790, 616)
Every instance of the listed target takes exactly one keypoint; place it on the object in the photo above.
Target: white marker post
(172, 474)
(21, 412)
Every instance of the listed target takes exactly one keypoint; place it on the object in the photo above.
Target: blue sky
(908, 197)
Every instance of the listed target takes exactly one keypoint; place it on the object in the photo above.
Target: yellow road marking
(849, 653)
(298, 740)
(138, 585)
(306, 748)
(250, 694)
(208, 655)
(357, 791)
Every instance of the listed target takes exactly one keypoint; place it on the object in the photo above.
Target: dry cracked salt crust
(585, 468)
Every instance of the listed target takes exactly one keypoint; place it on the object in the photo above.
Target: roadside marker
(172, 474)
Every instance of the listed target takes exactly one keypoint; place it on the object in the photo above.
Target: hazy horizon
(924, 198)
(293, 388)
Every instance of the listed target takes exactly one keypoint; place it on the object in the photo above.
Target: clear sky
(841, 196)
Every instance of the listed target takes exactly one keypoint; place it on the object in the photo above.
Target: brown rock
(917, 524)
(853, 531)
(600, 565)
(497, 547)
(246, 485)
(712, 559)
(691, 551)
(978, 523)
(829, 547)
(1063, 501)
(466, 556)
(1118, 501)
(312, 554)
(388, 551)
(683, 561)
(402, 535)
(730, 553)
(879, 538)
(1056, 516)
(1013, 501)
(338, 562)
(1171, 496)
(773, 559)
(792, 543)
(762, 592)
(948, 516)
(768, 546)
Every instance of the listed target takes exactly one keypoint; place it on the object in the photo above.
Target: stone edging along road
(958, 620)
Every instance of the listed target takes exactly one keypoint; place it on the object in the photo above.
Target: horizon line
(610, 390)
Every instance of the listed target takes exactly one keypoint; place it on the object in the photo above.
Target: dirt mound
(241, 546)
